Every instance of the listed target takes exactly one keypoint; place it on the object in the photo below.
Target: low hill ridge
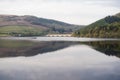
(12, 25)
(108, 27)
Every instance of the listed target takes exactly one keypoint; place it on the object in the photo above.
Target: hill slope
(118, 15)
(108, 27)
(12, 25)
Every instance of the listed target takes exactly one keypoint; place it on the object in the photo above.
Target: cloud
(71, 11)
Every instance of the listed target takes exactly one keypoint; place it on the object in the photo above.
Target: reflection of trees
(111, 48)
(28, 48)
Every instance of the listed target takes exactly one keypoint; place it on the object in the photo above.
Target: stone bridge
(58, 35)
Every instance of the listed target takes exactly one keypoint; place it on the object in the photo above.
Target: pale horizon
(80, 12)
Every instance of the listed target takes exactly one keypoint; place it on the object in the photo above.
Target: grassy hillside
(12, 25)
(52, 24)
(108, 27)
(21, 31)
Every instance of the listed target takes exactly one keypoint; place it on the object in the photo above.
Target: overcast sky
(81, 12)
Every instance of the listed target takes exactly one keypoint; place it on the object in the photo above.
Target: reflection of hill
(46, 47)
(111, 48)
(13, 48)
(27, 48)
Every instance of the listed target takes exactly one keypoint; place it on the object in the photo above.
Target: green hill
(118, 15)
(108, 27)
(12, 25)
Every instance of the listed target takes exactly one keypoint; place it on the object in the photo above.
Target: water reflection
(13, 48)
(110, 48)
(78, 62)
(62, 61)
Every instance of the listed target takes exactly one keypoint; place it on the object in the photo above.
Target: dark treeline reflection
(13, 48)
(110, 48)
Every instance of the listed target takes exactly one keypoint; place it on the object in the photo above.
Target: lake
(59, 58)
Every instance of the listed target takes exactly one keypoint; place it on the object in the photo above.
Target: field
(21, 31)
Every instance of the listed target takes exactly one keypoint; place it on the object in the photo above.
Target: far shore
(44, 38)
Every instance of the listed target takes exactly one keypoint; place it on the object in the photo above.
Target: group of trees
(109, 28)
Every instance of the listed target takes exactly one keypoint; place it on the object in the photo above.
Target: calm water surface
(41, 59)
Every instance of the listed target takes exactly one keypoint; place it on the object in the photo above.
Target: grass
(6, 29)
(25, 30)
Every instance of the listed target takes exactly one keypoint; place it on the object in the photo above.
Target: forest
(109, 27)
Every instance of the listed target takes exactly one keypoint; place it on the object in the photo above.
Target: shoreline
(44, 38)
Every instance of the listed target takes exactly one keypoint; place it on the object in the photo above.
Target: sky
(81, 12)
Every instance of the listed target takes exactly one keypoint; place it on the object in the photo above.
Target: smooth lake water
(59, 58)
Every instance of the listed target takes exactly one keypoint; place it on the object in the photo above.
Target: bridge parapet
(58, 35)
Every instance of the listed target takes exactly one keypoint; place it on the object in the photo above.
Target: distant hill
(12, 25)
(108, 27)
(118, 15)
